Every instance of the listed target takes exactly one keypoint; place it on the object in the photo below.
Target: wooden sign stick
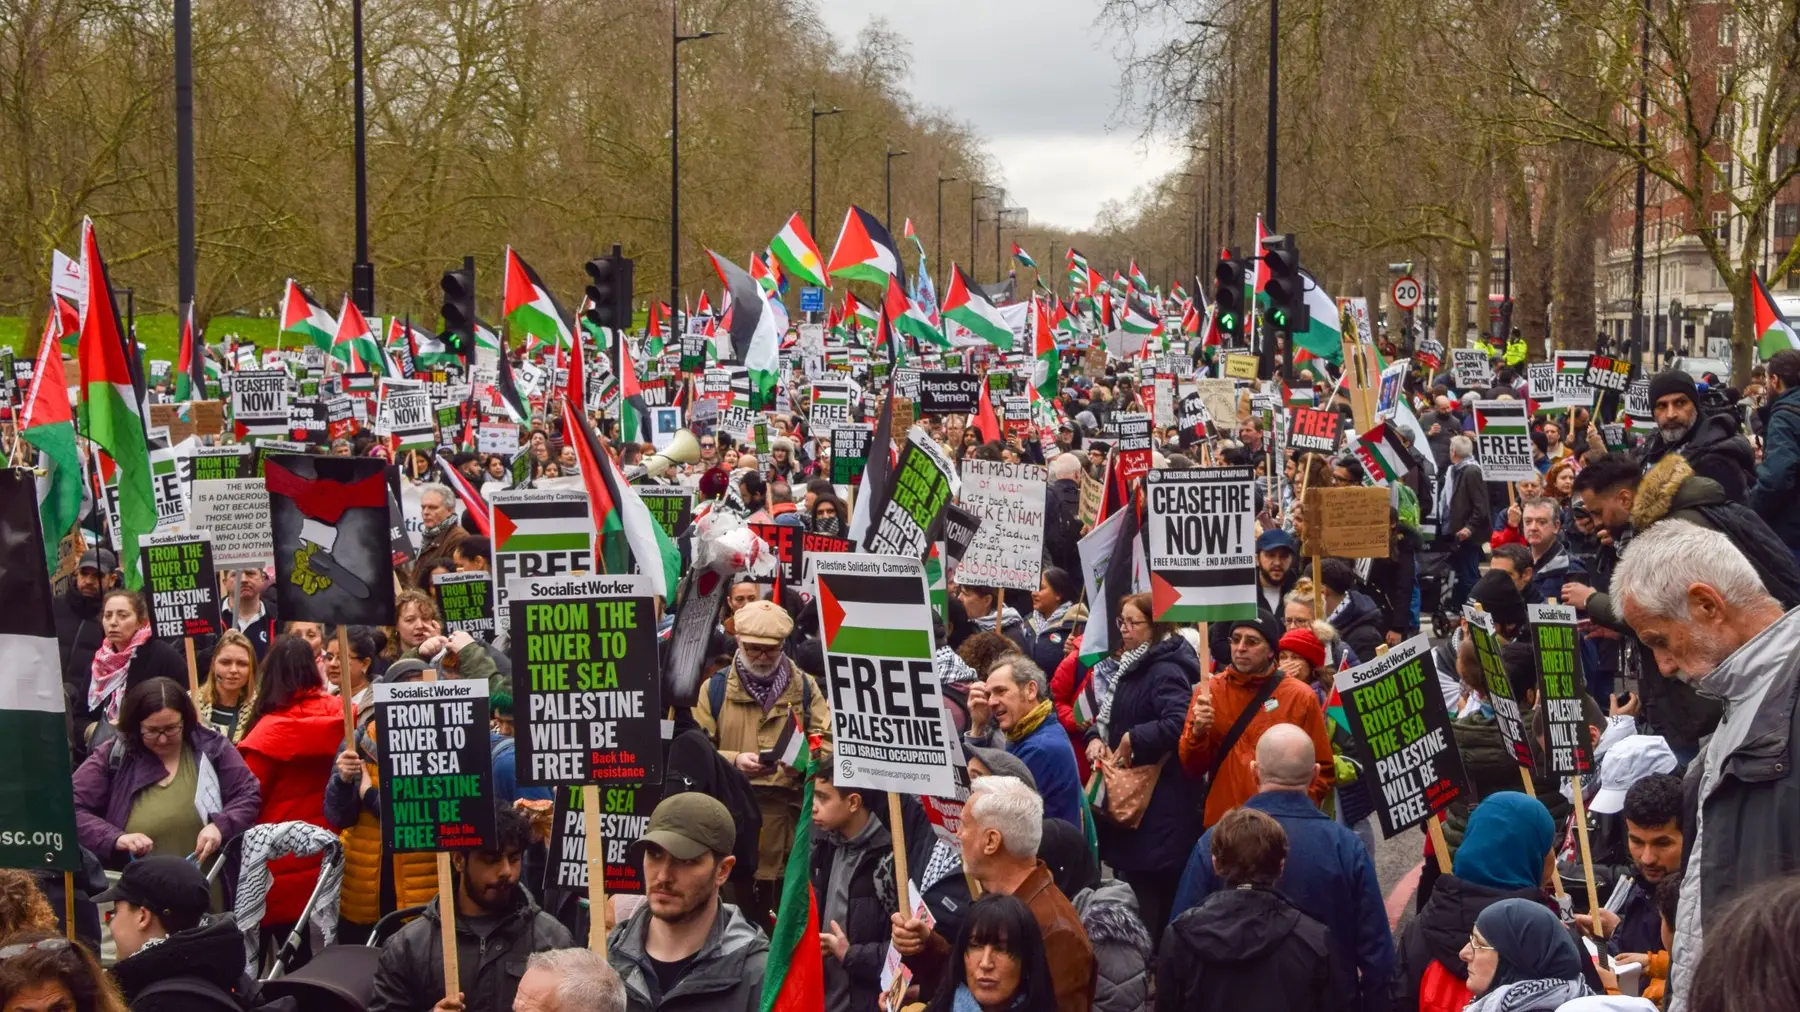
(596, 868)
(343, 645)
(897, 830)
(1440, 847)
(445, 881)
(1587, 858)
(193, 669)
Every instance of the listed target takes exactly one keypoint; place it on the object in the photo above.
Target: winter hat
(1302, 641)
(1496, 594)
(1673, 381)
(1001, 763)
(1265, 625)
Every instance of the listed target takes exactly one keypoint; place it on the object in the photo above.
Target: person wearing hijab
(1520, 958)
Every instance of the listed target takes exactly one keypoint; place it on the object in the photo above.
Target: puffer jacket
(1715, 449)
(743, 726)
(726, 974)
(1150, 703)
(1122, 949)
(411, 878)
(1360, 623)
(1246, 949)
(1674, 491)
(292, 751)
(410, 976)
(211, 954)
(1773, 496)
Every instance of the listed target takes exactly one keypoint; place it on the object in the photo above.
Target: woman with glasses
(167, 784)
(1521, 958)
(43, 972)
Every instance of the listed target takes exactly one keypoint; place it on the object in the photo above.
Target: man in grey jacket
(685, 948)
(1697, 604)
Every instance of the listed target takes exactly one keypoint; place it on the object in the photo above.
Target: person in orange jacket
(1219, 701)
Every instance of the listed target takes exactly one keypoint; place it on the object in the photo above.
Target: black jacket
(410, 977)
(211, 954)
(1360, 623)
(865, 921)
(1714, 449)
(1396, 577)
(1151, 703)
(154, 659)
(1441, 930)
(1062, 525)
(78, 635)
(1246, 949)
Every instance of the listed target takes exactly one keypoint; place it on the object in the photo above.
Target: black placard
(1402, 735)
(437, 776)
(1191, 418)
(1560, 689)
(1500, 692)
(330, 520)
(672, 506)
(849, 453)
(948, 393)
(466, 603)
(959, 532)
(588, 678)
(1313, 430)
(624, 817)
(184, 593)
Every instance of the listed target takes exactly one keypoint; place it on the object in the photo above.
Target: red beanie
(1303, 642)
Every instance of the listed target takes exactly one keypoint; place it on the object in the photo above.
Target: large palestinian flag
(1773, 332)
(875, 616)
(528, 305)
(112, 398)
(865, 251)
(965, 304)
(301, 314)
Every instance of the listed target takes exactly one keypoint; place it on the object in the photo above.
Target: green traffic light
(1229, 321)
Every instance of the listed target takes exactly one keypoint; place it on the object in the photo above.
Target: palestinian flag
(191, 366)
(1138, 282)
(634, 415)
(908, 232)
(46, 422)
(38, 810)
(1119, 579)
(799, 255)
(1382, 454)
(1087, 705)
(1501, 418)
(529, 306)
(986, 422)
(112, 397)
(1178, 293)
(1773, 332)
(865, 251)
(354, 345)
(397, 349)
(1322, 337)
(659, 313)
(1047, 374)
(1190, 320)
(627, 536)
(965, 304)
(794, 972)
(553, 525)
(474, 506)
(1023, 257)
(755, 337)
(909, 319)
(487, 339)
(300, 314)
(864, 317)
(760, 273)
(871, 501)
(426, 349)
(1139, 317)
(875, 616)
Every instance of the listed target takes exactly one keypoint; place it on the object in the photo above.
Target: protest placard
(1639, 412)
(236, 511)
(259, 403)
(1503, 441)
(1500, 694)
(497, 437)
(1133, 446)
(1162, 409)
(849, 453)
(1202, 549)
(785, 544)
(437, 779)
(1605, 373)
(888, 726)
(1240, 366)
(671, 505)
(948, 393)
(959, 530)
(1430, 354)
(1571, 378)
(179, 580)
(1540, 378)
(307, 420)
(1402, 735)
(830, 405)
(1015, 414)
(924, 480)
(624, 817)
(1469, 369)
(1093, 494)
(405, 418)
(1349, 522)
(1221, 399)
(466, 603)
(539, 533)
(1569, 750)
(1191, 418)
(328, 519)
(902, 423)
(1007, 501)
(590, 693)
(1314, 430)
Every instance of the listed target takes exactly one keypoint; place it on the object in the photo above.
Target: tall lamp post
(675, 152)
(362, 272)
(812, 212)
(887, 205)
(1274, 105)
(184, 150)
(939, 254)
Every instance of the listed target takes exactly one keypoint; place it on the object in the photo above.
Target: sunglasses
(46, 945)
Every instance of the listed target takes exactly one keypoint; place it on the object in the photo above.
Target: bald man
(1329, 875)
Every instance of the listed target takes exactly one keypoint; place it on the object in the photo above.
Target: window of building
(1727, 29)
(1787, 220)
(1784, 157)
(1721, 223)
(1724, 175)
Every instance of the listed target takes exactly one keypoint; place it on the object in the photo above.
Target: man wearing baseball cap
(1217, 749)
(171, 957)
(685, 948)
(77, 614)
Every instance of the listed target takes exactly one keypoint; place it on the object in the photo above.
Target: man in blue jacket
(1773, 496)
(1016, 697)
(1329, 875)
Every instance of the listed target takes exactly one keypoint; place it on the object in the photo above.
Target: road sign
(812, 300)
(1407, 292)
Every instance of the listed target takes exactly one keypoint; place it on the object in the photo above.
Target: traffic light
(1286, 288)
(459, 310)
(609, 290)
(1228, 297)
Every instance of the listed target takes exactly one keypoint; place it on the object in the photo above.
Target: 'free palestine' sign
(437, 777)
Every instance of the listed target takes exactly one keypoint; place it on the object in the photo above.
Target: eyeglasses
(1132, 623)
(1296, 623)
(162, 733)
(46, 945)
(1478, 945)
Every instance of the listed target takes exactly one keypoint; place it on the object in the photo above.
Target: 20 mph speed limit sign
(1407, 292)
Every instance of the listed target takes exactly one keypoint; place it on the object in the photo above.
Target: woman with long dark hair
(41, 970)
(997, 962)
(127, 656)
(166, 784)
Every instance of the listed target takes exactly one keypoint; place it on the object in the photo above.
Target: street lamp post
(940, 219)
(362, 272)
(675, 152)
(812, 213)
(1274, 104)
(184, 151)
(887, 204)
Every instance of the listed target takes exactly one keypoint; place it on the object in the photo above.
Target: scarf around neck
(108, 683)
(1041, 624)
(1126, 664)
(764, 689)
(1024, 726)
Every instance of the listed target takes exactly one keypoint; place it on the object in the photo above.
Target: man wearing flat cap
(745, 709)
(1250, 684)
(685, 948)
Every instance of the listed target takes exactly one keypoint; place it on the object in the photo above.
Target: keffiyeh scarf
(108, 683)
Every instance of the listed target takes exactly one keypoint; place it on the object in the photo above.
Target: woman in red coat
(294, 739)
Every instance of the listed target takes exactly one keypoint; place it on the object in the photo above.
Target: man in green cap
(685, 948)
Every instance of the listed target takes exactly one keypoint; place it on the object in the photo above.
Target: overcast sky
(1037, 81)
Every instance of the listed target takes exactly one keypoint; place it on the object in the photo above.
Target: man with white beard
(745, 709)
(1698, 606)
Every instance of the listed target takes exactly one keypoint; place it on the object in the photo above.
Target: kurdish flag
(965, 304)
(301, 314)
(1024, 258)
(799, 255)
(794, 974)
(865, 251)
(528, 305)
(1773, 332)
(1382, 454)
(875, 616)
(112, 396)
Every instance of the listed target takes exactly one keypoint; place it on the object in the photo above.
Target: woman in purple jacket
(165, 785)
